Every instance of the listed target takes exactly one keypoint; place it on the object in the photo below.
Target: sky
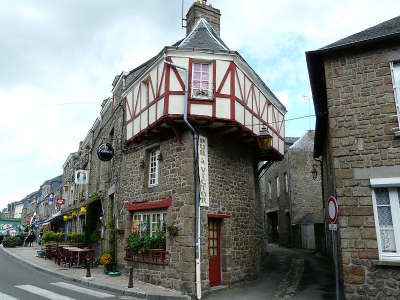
(58, 60)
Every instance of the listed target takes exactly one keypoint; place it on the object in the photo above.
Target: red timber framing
(240, 92)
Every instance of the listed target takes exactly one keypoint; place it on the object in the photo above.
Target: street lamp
(264, 139)
(314, 172)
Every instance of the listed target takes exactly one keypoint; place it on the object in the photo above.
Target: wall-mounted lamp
(264, 139)
(314, 172)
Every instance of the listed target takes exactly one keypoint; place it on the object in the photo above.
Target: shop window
(387, 220)
(149, 223)
(201, 83)
(154, 166)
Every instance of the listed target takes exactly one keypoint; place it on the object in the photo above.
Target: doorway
(214, 251)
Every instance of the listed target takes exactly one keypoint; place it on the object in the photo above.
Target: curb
(124, 291)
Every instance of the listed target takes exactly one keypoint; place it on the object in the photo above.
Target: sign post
(332, 217)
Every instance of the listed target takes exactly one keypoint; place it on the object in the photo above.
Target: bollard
(88, 268)
(130, 284)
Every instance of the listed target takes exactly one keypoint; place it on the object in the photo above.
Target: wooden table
(75, 254)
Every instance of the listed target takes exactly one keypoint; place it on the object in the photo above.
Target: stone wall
(362, 114)
(279, 205)
(232, 192)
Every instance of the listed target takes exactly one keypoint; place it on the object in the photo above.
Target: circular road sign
(332, 209)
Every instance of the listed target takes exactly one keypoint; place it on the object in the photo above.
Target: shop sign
(105, 152)
(203, 171)
(81, 177)
(51, 198)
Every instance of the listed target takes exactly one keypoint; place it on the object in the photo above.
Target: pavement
(286, 274)
(25, 276)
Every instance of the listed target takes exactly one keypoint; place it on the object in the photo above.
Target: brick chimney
(200, 9)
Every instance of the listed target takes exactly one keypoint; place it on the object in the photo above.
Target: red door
(214, 249)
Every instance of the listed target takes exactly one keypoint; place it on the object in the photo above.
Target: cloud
(57, 52)
(283, 97)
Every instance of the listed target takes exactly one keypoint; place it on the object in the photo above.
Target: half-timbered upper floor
(225, 95)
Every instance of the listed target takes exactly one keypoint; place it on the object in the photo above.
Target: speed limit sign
(332, 210)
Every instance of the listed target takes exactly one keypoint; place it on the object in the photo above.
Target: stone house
(293, 197)
(355, 86)
(229, 105)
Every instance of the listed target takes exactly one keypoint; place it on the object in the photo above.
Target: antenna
(183, 19)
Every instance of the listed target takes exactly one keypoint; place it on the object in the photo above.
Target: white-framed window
(395, 70)
(385, 198)
(151, 222)
(269, 190)
(145, 93)
(154, 166)
(278, 188)
(201, 83)
(286, 183)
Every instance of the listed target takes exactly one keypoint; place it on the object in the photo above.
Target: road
(286, 274)
(20, 281)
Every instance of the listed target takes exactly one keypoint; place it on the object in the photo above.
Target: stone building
(230, 106)
(355, 86)
(293, 197)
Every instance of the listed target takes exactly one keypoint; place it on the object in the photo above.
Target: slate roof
(203, 36)
(376, 36)
(384, 29)
(289, 141)
(306, 142)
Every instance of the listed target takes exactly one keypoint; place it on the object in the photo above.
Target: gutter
(197, 178)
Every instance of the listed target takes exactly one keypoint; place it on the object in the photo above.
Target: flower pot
(109, 268)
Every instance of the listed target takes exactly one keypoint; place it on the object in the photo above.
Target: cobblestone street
(287, 274)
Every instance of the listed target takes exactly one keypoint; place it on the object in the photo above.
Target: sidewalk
(99, 279)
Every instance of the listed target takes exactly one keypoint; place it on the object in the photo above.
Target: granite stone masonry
(356, 137)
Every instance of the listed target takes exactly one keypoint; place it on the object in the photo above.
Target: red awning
(149, 205)
(218, 216)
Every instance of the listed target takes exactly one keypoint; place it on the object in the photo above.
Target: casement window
(154, 166)
(286, 183)
(270, 190)
(150, 222)
(395, 70)
(278, 188)
(201, 83)
(145, 92)
(387, 217)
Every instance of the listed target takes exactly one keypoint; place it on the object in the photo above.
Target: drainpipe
(197, 177)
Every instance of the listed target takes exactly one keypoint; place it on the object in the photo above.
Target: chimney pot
(200, 10)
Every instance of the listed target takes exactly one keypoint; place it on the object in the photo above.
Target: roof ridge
(211, 33)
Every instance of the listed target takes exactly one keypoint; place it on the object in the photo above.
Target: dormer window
(201, 83)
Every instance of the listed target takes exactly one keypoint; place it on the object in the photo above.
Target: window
(387, 221)
(145, 93)
(270, 190)
(201, 86)
(277, 187)
(150, 222)
(395, 69)
(153, 166)
(286, 183)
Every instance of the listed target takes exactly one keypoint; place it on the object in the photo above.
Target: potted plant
(106, 260)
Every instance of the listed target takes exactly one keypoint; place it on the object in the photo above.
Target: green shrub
(134, 242)
(11, 242)
(51, 236)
